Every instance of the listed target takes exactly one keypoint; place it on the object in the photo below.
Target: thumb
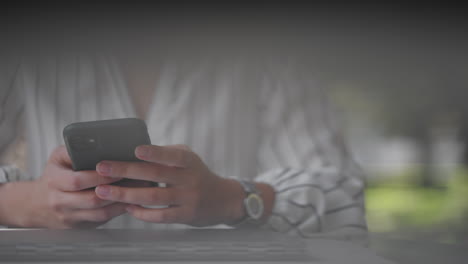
(60, 156)
(179, 146)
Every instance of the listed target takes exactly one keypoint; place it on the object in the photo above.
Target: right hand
(62, 198)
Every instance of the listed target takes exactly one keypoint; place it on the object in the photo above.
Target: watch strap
(249, 187)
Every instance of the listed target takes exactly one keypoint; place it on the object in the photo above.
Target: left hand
(194, 195)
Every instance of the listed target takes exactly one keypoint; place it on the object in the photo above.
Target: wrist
(14, 208)
(234, 206)
(268, 197)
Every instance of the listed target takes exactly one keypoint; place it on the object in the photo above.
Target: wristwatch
(253, 204)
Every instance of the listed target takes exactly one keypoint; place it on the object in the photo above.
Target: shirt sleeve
(11, 110)
(318, 186)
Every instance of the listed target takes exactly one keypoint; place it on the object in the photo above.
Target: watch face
(254, 206)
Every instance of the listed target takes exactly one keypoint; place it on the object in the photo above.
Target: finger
(139, 171)
(78, 200)
(134, 183)
(103, 214)
(69, 180)
(167, 155)
(142, 196)
(159, 215)
(179, 146)
(60, 156)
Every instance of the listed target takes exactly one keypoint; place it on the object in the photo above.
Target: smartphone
(88, 143)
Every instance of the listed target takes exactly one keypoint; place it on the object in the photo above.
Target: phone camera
(82, 143)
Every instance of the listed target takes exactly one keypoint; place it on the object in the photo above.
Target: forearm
(236, 196)
(14, 198)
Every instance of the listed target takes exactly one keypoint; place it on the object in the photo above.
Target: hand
(62, 198)
(194, 195)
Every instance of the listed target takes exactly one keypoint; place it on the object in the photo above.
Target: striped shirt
(247, 119)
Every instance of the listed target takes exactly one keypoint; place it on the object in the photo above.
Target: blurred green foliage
(398, 204)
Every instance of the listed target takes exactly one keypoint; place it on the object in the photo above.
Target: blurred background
(397, 73)
(400, 82)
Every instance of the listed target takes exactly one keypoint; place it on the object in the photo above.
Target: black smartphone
(88, 143)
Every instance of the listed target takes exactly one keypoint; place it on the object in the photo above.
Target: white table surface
(322, 250)
(418, 251)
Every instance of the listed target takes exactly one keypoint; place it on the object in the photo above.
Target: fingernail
(103, 190)
(142, 151)
(129, 208)
(104, 168)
